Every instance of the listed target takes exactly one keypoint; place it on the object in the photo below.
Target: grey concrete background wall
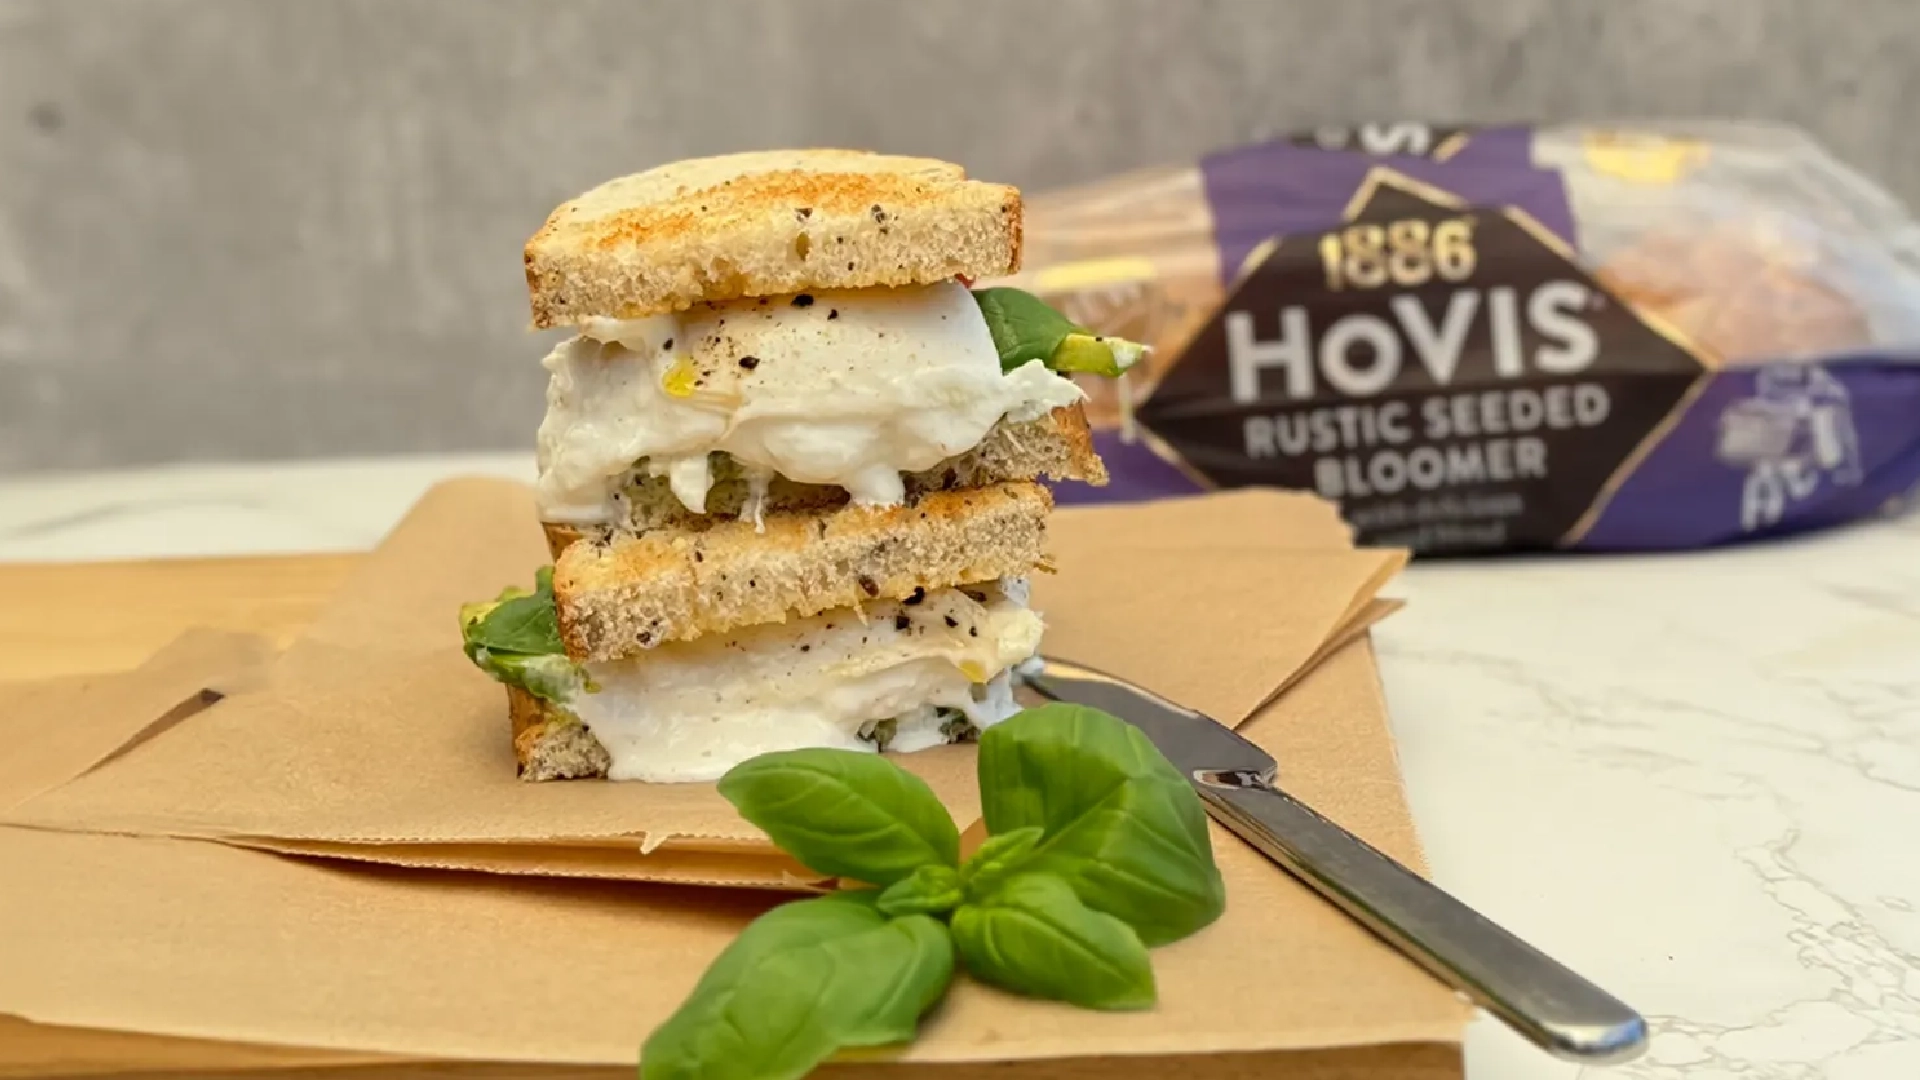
(238, 229)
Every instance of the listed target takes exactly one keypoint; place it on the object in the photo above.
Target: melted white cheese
(689, 711)
(848, 388)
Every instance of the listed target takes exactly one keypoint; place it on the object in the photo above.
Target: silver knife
(1537, 996)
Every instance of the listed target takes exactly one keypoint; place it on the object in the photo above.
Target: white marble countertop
(1695, 778)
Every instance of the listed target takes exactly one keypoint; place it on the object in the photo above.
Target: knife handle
(1543, 1000)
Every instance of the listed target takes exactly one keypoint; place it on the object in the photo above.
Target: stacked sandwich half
(790, 467)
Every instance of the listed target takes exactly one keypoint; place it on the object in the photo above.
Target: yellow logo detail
(1643, 159)
(1093, 273)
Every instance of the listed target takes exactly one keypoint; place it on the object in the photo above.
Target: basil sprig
(515, 637)
(1035, 936)
(1120, 825)
(1025, 328)
(1064, 788)
(813, 802)
(804, 980)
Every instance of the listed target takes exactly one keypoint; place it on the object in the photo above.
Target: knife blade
(1543, 1000)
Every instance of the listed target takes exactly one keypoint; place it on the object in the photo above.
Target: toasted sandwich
(793, 468)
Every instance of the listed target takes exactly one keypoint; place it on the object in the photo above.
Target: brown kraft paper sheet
(375, 739)
(186, 957)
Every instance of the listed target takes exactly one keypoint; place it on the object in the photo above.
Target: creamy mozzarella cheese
(689, 711)
(845, 388)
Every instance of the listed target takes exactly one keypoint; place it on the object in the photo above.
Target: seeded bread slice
(764, 223)
(550, 743)
(619, 593)
(1057, 446)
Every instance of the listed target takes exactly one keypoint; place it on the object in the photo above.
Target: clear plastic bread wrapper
(219, 862)
(1508, 338)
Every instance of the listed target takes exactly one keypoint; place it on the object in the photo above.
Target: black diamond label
(1448, 374)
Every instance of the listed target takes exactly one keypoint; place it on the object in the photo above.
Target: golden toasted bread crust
(759, 224)
(561, 536)
(1075, 433)
(620, 594)
(550, 743)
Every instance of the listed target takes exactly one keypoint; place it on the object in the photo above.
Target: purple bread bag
(1506, 338)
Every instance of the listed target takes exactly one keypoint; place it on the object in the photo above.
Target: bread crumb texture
(765, 223)
(621, 592)
(550, 743)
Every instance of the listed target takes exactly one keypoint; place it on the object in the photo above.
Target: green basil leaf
(792, 924)
(552, 678)
(931, 890)
(1033, 936)
(802, 981)
(527, 624)
(472, 615)
(999, 856)
(516, 622)
(515, 638)
(476, 611)
(1121, 825)
(1024, 328)
(845, 813)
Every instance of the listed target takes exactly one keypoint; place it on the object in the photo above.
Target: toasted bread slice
(763, 223)
(550, 743)
(1057, 446)
(619, 593)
